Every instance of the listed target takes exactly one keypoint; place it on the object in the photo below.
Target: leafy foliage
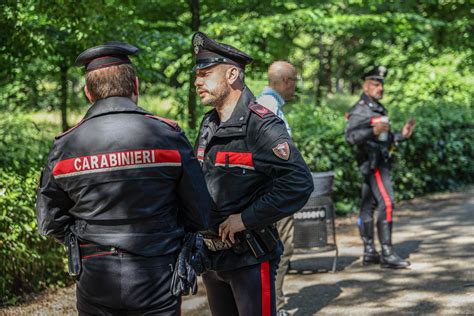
(427, 46)
(30, 262)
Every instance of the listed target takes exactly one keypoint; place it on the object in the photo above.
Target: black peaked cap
(106, 55)
(209, 53)
(377, 73)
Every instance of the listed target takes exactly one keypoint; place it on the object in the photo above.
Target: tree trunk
(320, 75)
(34, 94)
(328, 70)
(353, 85)
(63, 96)
(195, 22)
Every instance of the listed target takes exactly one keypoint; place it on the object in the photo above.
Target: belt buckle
(221, 245)
(215, 244)
(209, 244)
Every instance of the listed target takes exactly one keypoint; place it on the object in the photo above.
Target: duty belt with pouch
(260, 242)
(73, 255)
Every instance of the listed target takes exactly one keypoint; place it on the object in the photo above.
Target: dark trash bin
(314, 224)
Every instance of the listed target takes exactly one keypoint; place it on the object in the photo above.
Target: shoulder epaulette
(69, 130)
(168, 122)
(351, 110)
(260, 110)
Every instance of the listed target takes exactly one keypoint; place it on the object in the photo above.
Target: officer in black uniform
(120, 189)
(255, 176)
(368, 129)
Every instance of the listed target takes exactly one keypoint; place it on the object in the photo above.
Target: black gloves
(192, 261)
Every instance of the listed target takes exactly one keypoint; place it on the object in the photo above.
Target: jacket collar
(241, 111)
(372, 104)
(113, 105)
(236, 124)
(240, 114)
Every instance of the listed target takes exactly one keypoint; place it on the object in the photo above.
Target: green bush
(30, 262)
(439, 156)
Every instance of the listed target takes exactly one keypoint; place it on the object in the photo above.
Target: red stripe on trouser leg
(386, 198)
(266, 294)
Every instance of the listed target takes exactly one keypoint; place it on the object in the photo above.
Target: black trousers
(247, 291)
(126, 284)
(377, 194)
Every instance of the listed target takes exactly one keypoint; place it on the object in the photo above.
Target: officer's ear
(88, 94)
(232, 74)
(134, 95)
(135, 86)
(365, 86)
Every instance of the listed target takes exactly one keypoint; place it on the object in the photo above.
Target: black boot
(367, 233)
(389, 258)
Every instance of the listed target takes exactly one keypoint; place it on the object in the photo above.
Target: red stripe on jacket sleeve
(374, 120)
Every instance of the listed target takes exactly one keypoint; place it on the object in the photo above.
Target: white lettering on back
(125, 158)
(104, 163)
(94, 162)
(85, 164)
(146, 156)
(77, 165)
(113, 160)
(138, 157)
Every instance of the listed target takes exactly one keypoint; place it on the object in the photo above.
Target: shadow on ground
(319, 264)
(321, 295)
(436, 236)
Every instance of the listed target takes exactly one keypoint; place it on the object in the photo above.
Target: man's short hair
(241, 75)
(115, 81)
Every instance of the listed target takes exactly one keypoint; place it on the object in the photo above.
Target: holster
(374, 159)
(261, 241)
(373, 154)
(73, 255)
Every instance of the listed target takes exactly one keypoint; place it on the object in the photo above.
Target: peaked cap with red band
(377, 73)
(106, 55)
(209, 53)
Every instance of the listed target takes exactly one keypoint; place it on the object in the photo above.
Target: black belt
(90, 250)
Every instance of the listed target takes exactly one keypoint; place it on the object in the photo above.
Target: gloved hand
(191, 262)
(199, 258)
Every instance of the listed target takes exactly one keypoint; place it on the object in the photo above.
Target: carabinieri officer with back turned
(120, 189)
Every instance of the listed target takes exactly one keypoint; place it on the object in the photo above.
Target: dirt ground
(436, 233)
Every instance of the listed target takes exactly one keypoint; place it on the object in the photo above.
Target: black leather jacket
(123, 178)
(370, 152)
(251, 166)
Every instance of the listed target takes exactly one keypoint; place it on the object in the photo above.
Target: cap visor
(202, 66)
(377, 78)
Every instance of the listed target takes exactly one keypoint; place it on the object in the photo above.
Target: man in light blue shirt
(282, 77)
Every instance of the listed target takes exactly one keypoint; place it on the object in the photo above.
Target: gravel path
(436, 233)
